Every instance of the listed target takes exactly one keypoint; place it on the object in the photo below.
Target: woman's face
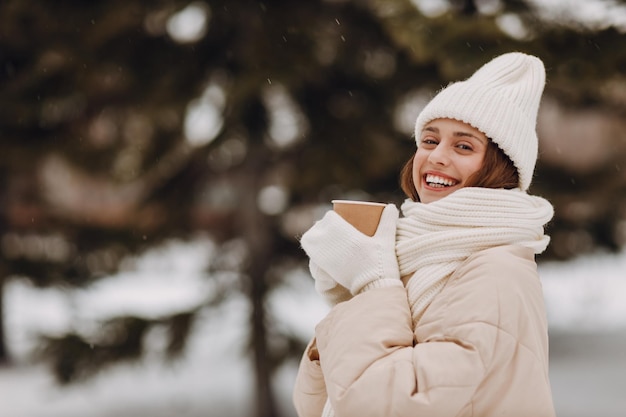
(449, 152)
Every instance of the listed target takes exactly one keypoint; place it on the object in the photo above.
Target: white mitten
(354, 260)
(327, 287)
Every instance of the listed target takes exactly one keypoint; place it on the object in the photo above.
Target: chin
(430, 196)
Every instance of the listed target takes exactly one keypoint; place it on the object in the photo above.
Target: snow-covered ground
(587, 293)
(586, 300)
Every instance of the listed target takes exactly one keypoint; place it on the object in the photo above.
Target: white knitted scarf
(433, 239)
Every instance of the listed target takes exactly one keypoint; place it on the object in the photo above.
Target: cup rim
(358, 202)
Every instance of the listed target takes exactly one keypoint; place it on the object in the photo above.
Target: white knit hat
(501, 100)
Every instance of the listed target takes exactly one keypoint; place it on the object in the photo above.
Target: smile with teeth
(439, 182)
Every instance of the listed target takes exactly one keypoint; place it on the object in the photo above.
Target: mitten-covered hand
(354, 260)
(327, 287)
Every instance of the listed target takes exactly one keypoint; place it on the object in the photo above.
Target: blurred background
(159, 160)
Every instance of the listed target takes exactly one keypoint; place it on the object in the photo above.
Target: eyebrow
(457, 133)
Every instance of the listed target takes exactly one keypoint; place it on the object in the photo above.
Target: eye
(465, 147)
(429, 141)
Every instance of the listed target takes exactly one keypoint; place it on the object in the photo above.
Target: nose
(439, 155)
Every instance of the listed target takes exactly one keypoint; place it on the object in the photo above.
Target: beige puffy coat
(481, 348)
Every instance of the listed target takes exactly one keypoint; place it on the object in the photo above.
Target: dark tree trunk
(257, 231)
(4, 354)
(265, 403)
(467, 7)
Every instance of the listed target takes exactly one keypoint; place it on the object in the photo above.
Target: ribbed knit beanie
(501, 99)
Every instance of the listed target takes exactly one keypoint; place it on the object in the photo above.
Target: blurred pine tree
(127, 122)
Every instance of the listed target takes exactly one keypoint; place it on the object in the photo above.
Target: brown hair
(497, 171)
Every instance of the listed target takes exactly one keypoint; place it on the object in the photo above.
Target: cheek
(478, 164)
(472, 167)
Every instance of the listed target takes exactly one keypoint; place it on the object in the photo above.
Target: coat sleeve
(372, 367)
(309, 393)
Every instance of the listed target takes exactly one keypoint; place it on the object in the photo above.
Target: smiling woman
(450, 152)
(496, 170)
(444, 310)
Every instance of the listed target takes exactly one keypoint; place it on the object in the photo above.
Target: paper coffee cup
(363, 215)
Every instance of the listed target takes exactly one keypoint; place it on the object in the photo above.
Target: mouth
(435, 181)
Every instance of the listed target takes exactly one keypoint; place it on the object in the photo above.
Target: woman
(441, 312)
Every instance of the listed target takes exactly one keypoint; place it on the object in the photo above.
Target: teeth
(436, 180)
